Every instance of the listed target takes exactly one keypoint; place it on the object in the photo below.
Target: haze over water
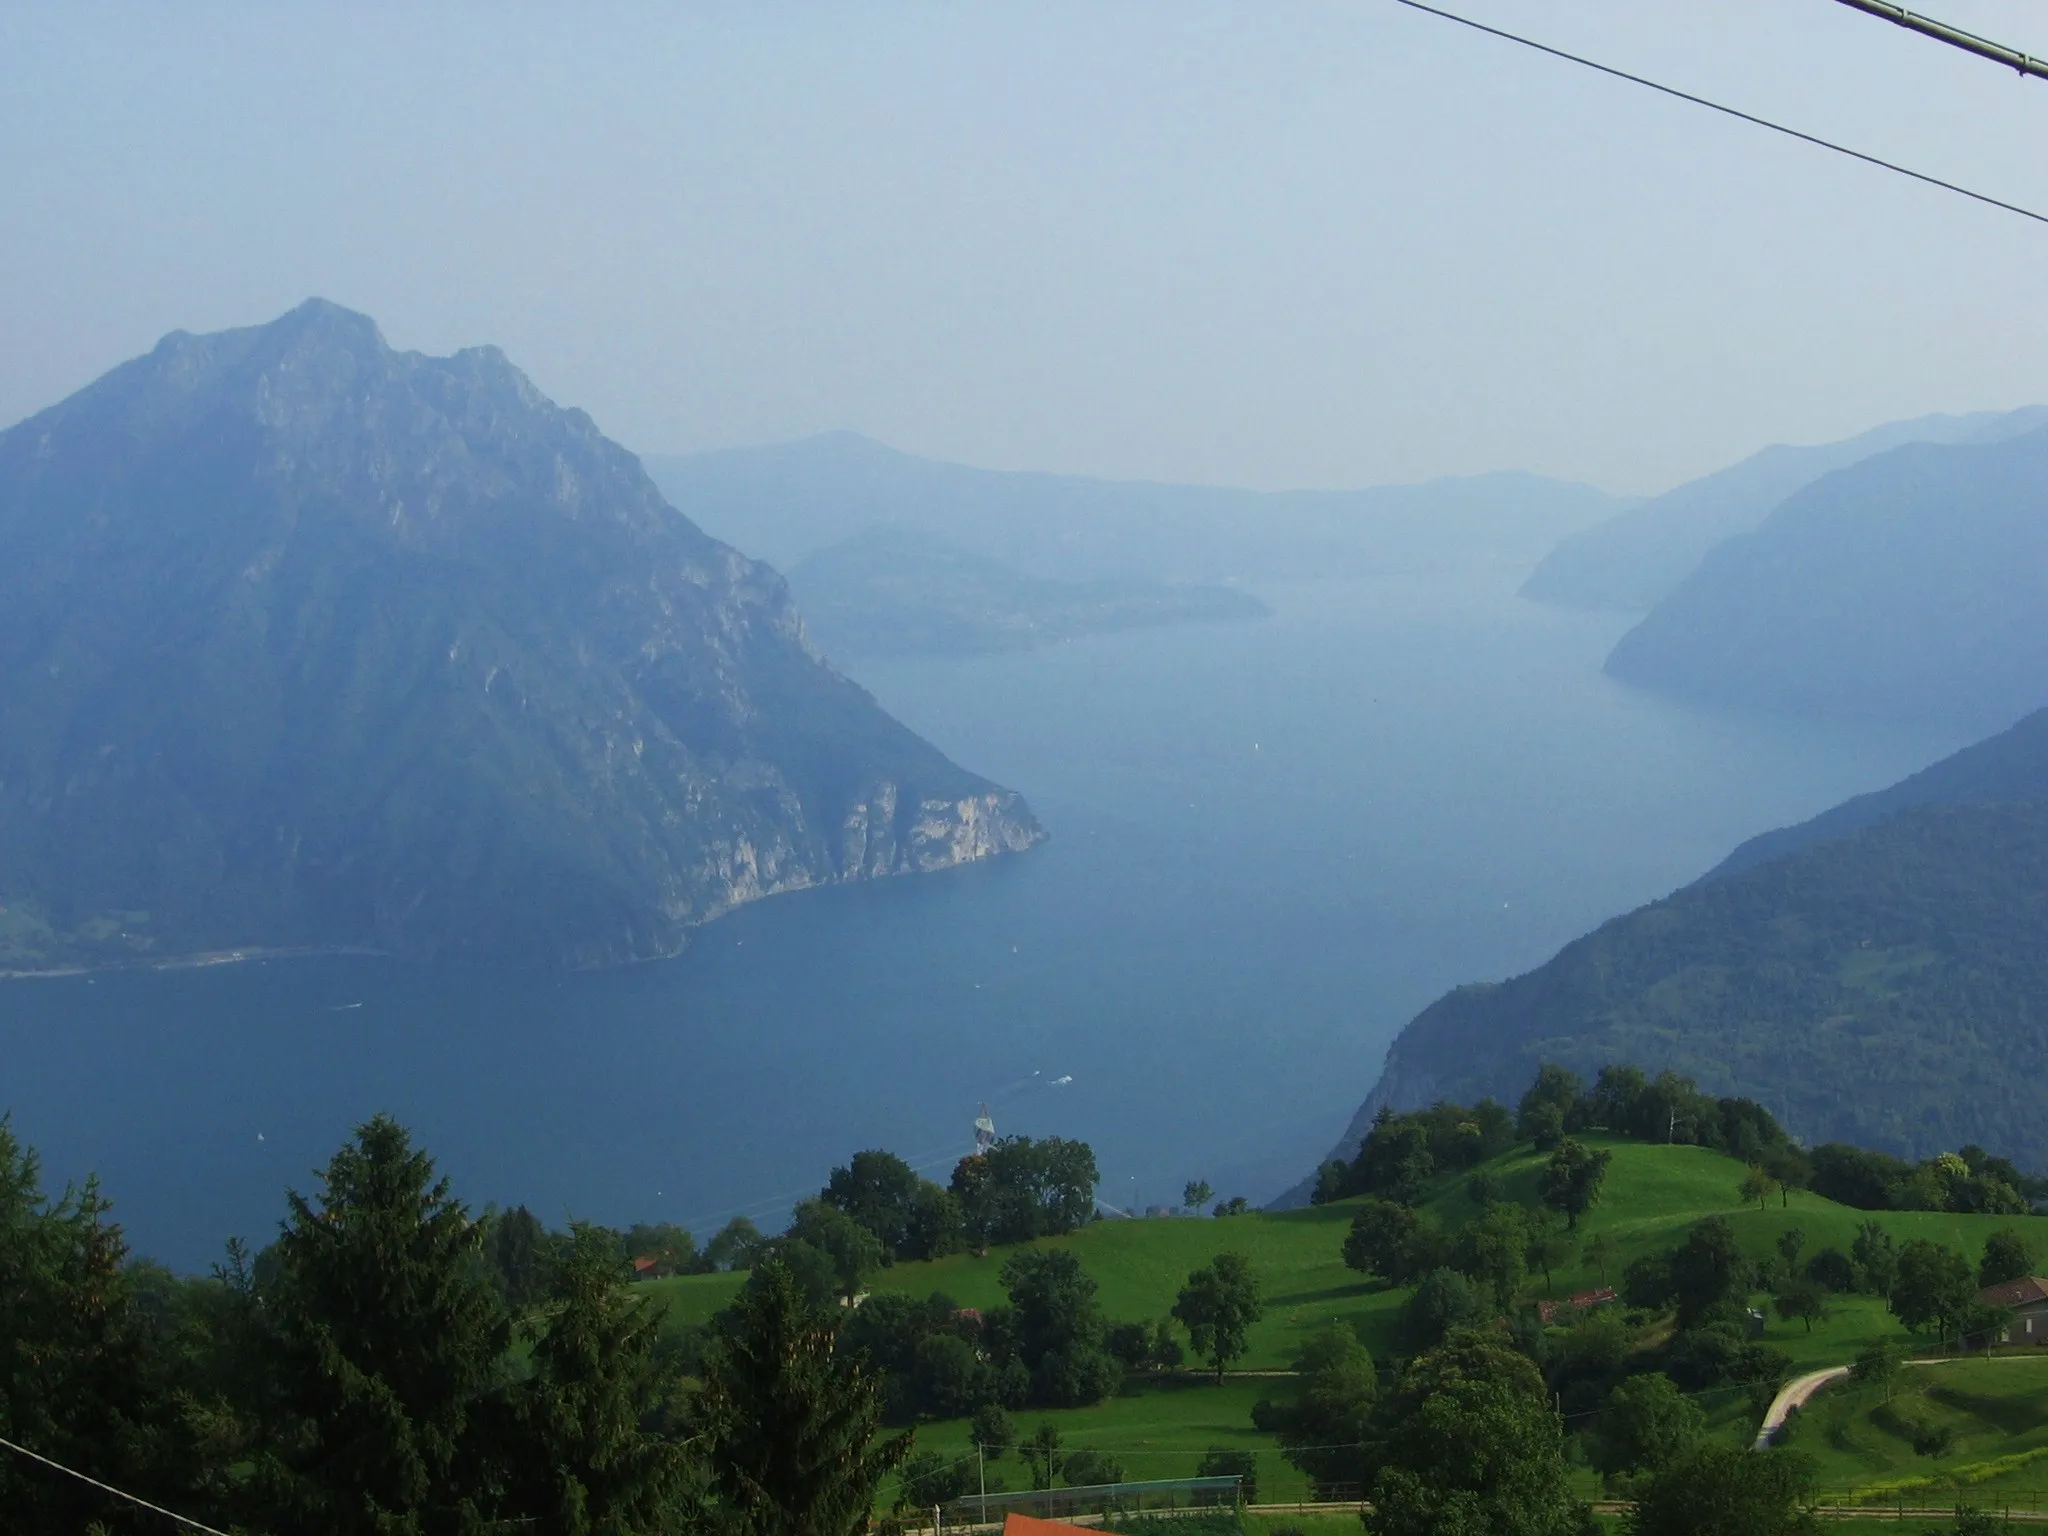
(1272, 844)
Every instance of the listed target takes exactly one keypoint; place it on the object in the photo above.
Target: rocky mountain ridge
(306, 641)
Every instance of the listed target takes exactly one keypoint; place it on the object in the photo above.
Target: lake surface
(1273, 844)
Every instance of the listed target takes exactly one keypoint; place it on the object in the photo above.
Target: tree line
(369, 1375)
(394, 1362)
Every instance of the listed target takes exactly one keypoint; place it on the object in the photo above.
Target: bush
(1221, 1461)
(1927, 1439)
(1087, 1468)
(1445, 1300)
(1832, 1270)
(993, 1430)
(929, 1478)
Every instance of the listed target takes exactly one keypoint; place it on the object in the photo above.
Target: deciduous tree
(1469, 1444)
(1218, 1306)
(1647, 1424)
(855, 1252)
(1933, 1287)
(1756, 1188)
(1493, 1251)
(1054, 1328)
(1717, 1490)
(1381, 1239)
(1322, 1429)
(1571, 1180)
(1708, 1272)
(1804, 1299)
(2007, 1256)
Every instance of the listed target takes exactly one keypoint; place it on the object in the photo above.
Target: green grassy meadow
(1992, 1415)
(1159, 1426)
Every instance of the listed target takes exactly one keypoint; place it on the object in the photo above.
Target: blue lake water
(1272, 844)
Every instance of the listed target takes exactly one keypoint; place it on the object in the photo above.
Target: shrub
(1221, 1461)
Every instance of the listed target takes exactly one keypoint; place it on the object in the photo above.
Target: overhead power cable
(1955, 37)
(1715, 106)
(156, 1509)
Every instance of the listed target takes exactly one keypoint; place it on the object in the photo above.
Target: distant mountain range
(1636, 558)
(1910, 588)
(1876, 975)
(307, 642)
(895, 591)
(789, 501)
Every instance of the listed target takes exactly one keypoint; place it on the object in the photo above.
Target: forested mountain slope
(2013, 765)
(1888, 988)
(1635, 558)
(307, 642)
(1911, 588)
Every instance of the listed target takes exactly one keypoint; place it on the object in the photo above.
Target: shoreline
(201, 960)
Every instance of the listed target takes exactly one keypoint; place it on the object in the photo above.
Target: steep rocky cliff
(307, 642)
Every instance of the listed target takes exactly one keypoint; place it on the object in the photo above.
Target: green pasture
(1961, 1425)
(1160, 1426)
(1160, 1430)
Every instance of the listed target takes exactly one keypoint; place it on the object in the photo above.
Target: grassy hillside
(1987, 1417)
(1160, 1425)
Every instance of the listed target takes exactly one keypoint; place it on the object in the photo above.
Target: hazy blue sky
(1270, 244)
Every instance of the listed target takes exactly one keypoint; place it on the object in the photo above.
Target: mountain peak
(448, 677)
(332, 324)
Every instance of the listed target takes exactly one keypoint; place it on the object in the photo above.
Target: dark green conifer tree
(789, 1423)
(389, 1337)
(591, 1461)
(84, 1379)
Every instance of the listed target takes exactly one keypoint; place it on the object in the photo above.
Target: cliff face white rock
(304, 641)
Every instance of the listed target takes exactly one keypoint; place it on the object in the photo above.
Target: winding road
(1794, 1395)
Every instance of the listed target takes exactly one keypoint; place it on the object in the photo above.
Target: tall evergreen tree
(789, 1422)
(389, 1337)
(83, 1378)
(588, 1462)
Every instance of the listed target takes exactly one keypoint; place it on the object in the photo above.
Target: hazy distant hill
(1633, 559)
(2011, 766)
(1911, 587)
(304, 641)
(1875, 974)
(788, 501)
(898, 591)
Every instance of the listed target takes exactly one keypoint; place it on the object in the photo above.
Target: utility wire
(1955, 37)
(1715, 106)
(110, 1488)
